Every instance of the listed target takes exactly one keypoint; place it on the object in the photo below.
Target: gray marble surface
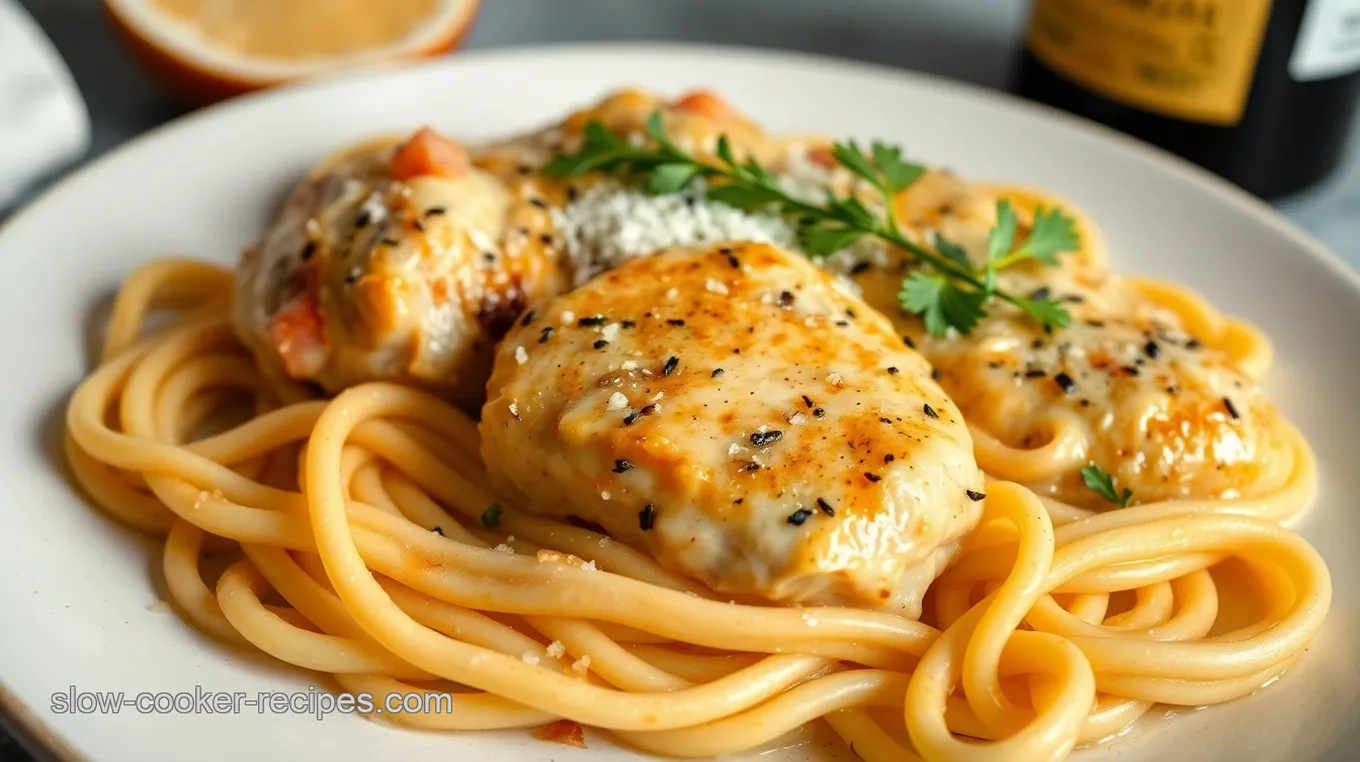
(971, 40)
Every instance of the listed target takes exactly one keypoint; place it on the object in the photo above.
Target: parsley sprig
(1101, 482)
(950, 293)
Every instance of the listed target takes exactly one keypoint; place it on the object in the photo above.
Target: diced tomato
(704, 102)
(822, 157)
(428, 153)
(298, 334)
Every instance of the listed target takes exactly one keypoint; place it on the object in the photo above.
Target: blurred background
(1292, 146)
(1266, 96)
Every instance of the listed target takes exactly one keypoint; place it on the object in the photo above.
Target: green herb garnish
(491, 516)
(1099, 481)
(951, 294)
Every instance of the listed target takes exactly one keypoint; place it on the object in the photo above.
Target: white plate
(76, 591)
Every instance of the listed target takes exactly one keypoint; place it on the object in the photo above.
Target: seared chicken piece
(744, 418)
(1169, 417)
(388, 262)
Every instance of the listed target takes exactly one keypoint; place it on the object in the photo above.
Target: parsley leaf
(825, 240)
(1099, 481)
(492, 516)
(941, 303)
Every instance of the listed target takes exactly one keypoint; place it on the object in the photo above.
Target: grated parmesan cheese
(610, 332)
(530, 658)
(715, 286)
(556, 649)
(606, 226)
(628, 365)
(581, 665)
(617, 401)
(514, 409)
(503, 548)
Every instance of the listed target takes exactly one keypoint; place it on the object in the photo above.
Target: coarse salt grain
(514, 409)
(503, 548)
(798, 419)
(617, 401)
(715, 286)
(610, 332)
(628, 365)
(521, 356)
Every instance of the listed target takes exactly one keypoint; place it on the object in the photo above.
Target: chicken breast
(390, 261)
(1169, 416)
(736, 412)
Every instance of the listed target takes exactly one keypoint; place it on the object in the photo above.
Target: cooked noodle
(331, 507)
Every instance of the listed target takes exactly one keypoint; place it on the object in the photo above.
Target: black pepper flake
(843, 323)
(875, 478)
(762, 438)
(1037, 344)
(1040, 293)
(308, 251)
(1084, 403)
(1232, 409)
(907, 340)
(352, 276)
(850, 313)
(1152, 350)
(621, 465)
(1096, 323)
(572, 193)
(733, 261)
(363, 219)
(975, 496)
(786, 299)
(859, 268)
(799, 516)
(418, 225)
(752, 466)
(1193, 344)
(592, 321)
(826, 507)
(1130, 370)
(818, 412)
(435, 211)
(670, 366)
(648, 409)
(892, 370)
(1065, 383)
(631, 418)
(546, 239)
(1073, 298)
(889, 458)
(647, 517)
(489, 256)
(884, 419)
(627, 324)
(528, 317)
(1172, 390)
(930, 411)
(936, 374)
(807, 401)
(1035, 373)
(677, 322)
(601, 344)
(716, 372)
(525, 169)
(439, 531)
(545, 334)
(538, 202)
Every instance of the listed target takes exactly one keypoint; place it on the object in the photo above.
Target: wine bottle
(1261, 92)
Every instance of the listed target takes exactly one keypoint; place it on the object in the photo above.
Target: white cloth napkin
(43, 121)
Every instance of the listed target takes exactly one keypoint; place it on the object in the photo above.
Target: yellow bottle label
(1187, 59)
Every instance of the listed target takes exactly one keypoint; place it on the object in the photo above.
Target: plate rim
(41, 740)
